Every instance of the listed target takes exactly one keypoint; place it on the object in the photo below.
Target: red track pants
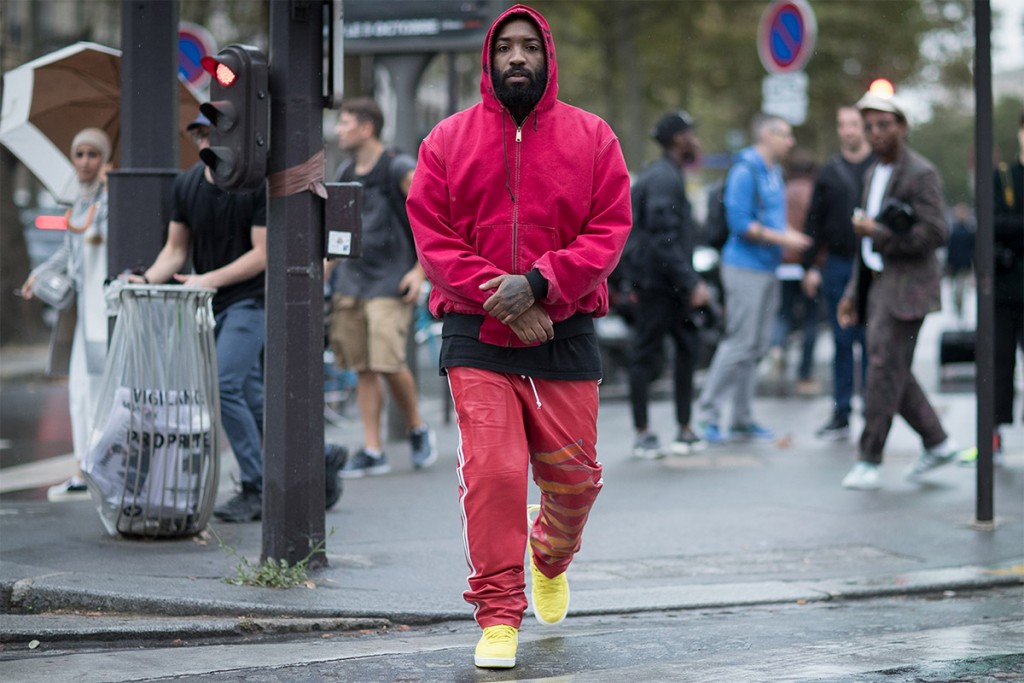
(507, 422)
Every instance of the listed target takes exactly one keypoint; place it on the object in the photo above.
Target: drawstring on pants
(533, 386)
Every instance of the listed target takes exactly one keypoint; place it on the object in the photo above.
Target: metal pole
(983, 259)
(293, 455)
(140, 189)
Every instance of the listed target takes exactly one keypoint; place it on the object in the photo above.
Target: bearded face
(517, 87)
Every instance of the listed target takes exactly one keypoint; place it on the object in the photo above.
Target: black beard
(521, 98)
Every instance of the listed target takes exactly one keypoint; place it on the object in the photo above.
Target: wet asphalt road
(35, 422)
(965, 637)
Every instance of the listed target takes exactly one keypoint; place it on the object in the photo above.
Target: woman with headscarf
(83, 257)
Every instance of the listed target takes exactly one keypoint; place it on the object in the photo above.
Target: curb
(63, 627)
(29, 600)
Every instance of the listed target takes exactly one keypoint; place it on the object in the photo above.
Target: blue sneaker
(712, 434)
(752, 430)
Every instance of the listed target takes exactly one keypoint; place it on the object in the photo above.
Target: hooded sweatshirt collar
(547, 100)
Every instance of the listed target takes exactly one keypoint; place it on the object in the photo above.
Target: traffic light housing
(239, 113)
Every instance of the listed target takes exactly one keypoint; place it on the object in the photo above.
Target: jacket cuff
(538, 285)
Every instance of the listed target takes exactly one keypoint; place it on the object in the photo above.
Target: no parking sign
(785, 41)
(786, 36)
(194, 43)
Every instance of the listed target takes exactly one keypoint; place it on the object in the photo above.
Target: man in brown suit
(897, 282)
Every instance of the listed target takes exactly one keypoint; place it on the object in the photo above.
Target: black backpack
(392, 190)
(716, 227)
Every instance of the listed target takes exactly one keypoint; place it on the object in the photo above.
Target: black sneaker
(365, 463)
(837, 429)
(423, 445)
(247, 506)
(334, 459)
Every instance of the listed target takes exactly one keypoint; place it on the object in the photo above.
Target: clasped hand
(513, 304)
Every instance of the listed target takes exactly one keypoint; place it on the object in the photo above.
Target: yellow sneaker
(550, 596)
(497, 647)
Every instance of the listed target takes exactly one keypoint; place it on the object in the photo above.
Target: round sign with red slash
(786, 35)
(194, 43)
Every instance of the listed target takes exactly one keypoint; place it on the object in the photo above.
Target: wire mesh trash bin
(153, 458)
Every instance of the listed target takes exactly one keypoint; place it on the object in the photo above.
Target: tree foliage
(631, 60)
(948, 141)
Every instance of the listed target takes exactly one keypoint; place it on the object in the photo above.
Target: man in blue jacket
(755, 210)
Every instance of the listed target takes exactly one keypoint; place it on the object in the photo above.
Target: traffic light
(882, 87)
(239, 113)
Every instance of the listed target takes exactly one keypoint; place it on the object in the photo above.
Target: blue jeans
(240, 333)
(835, 274)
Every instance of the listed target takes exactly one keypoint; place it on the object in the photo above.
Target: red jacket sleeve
(587, 261)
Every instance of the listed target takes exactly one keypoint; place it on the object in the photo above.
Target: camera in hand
(896, 215)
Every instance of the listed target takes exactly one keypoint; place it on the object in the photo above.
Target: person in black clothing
(225, 236)
(960, 253)
(1008, 228)
(665, 287)
(837, 191)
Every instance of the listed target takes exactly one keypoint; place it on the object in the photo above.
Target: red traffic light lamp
(882, 87)
(239, 113)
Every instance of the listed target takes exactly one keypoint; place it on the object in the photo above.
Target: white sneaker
(940, 455)
(863, 477)
(647, 446)
(72, 489)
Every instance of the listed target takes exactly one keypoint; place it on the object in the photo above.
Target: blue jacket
(743, 206)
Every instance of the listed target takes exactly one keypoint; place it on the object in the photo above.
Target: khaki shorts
(369, 334)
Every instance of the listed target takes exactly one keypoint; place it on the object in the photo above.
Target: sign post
(785, 42)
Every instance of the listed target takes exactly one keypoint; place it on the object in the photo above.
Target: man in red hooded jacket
(520, 208)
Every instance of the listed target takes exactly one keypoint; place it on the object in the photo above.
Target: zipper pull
(519, 134)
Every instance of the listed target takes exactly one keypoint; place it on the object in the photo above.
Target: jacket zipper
(515, 207)
(515, 211)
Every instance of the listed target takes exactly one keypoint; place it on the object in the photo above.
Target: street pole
(983, 260)
(140, 190)
(293, 455)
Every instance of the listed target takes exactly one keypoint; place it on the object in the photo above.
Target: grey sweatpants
(751, 303)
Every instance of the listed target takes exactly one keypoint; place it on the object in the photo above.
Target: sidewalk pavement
(740, 524)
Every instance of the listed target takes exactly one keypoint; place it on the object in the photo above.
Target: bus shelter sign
(415, 26)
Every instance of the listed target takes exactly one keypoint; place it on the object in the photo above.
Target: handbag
(55, 288)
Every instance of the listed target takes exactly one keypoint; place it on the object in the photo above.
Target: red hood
(487, 86)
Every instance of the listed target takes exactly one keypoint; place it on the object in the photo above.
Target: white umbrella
(48, 100)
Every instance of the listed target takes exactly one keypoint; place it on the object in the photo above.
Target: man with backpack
(756, 214)
(373, 296)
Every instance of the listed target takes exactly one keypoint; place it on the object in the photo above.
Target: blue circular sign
(786, 35)
(194, 43)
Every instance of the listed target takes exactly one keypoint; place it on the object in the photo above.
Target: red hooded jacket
(490, 198)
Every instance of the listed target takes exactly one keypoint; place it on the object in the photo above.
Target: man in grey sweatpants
(755, 210)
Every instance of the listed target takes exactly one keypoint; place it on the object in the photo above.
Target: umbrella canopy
(48, 100)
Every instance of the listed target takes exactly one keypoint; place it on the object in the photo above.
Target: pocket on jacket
(534, 241)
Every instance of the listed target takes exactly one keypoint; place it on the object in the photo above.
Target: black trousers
(1009, 334)
(657, 315)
